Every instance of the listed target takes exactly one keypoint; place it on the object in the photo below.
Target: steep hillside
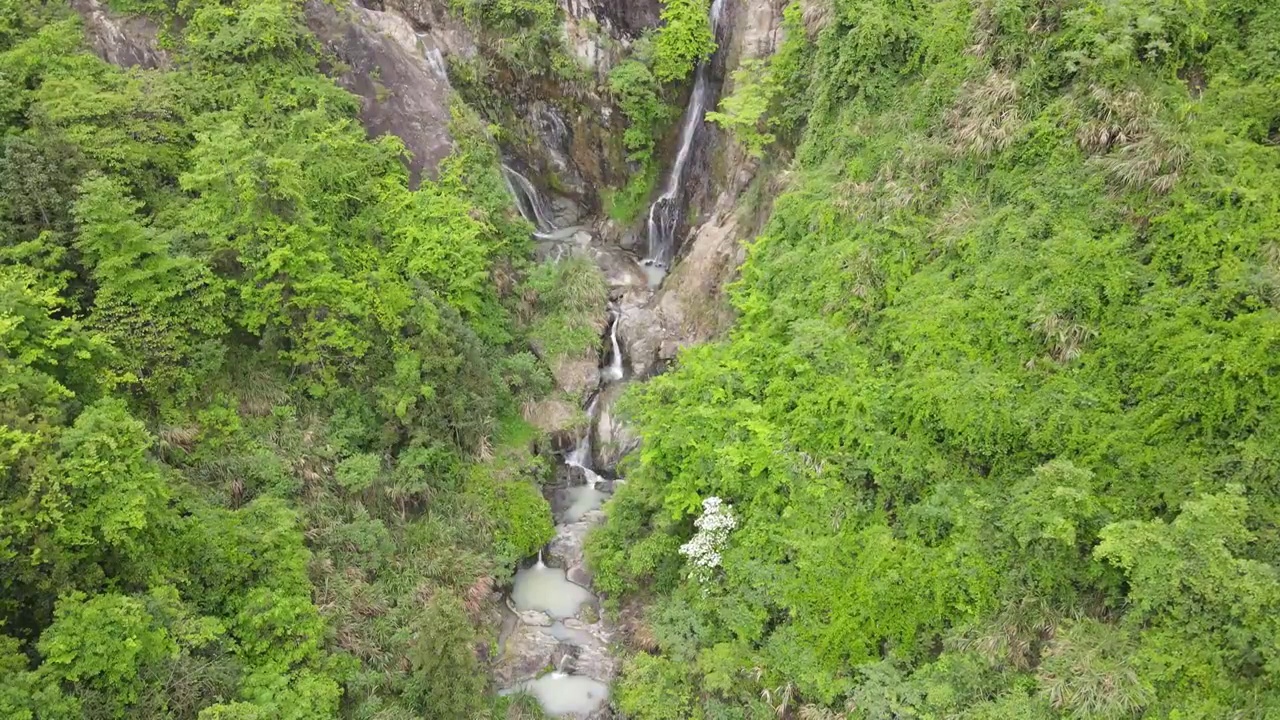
(995, 434)
(262, 447)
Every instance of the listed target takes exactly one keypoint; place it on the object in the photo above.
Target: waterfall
(578, 685)
(563, 233)
(665, 212)
(614, 373)
(529, 201)
(580, 455)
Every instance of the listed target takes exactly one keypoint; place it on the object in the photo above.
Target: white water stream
(665, 212)
(614, 372)
(548, 589)
(528, 200)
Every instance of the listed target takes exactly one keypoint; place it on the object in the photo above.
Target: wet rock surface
(566, 663)
(613, 438)
(124, 40)
(561, 657)
(398, 73)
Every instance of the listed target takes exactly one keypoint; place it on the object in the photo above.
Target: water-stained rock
(124, 40)
(613, 438)
(398, 73)
(575, 375)
(536, 618)
(527, 652)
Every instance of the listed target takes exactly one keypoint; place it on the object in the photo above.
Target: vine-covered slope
(997, 423)
(260, 432)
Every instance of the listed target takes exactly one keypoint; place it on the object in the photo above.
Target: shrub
(684, 40)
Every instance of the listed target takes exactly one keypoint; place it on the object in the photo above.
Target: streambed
(555, 643)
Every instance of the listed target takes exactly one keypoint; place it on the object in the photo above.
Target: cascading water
(665, 212)
(580, 456)
(552, 597)
(614, 372)
(529, 201)
(550, 590)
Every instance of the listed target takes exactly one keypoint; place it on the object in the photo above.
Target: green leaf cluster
(683, 40)
(742, 113)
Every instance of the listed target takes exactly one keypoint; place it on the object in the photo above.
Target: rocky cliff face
(398, 72)
(690, 307)
(564, 133)
(121, 40)
(562, 130)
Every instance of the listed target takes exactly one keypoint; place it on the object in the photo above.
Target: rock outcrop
(124, 40)
(613, 438)
(691, 308)
(398, 72)
(562, 126)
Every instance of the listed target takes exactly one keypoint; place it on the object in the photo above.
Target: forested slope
(261, 442)
(996, 432)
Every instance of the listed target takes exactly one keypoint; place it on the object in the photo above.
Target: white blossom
(704, 549)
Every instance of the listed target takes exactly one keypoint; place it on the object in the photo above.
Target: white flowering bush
(703, 550)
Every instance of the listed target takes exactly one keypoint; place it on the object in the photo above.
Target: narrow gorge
(560, 143)
(561, 155)
(556, 642)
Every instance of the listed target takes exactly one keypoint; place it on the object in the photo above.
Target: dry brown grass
(1121, 133)
(817, 712)
(817, 16)
(954, 221)
(986, 29)
(779, 698)
(477, 596)
(1064, 338)
(1148, 164)
(183, 437)
(909, 181)
(1269, 255)
(1088, 672)
(1015, 637)
(985, 118)
(635, 629)
(259, 393)
(986, 25)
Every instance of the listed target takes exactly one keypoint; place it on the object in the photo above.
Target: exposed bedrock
(124, 40)
(399, 74)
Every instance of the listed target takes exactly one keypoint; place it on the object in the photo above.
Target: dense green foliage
(525, 35)
(637, 92)
(683, 40)
(259, 401)
(743, 112)
(998, 418)
(569, 296)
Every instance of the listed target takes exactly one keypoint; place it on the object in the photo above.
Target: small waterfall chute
(614, 372)
(580, 455)
(532, 206)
